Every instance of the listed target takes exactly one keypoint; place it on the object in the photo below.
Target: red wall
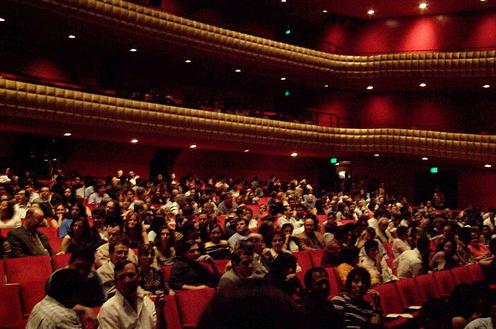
(441, 32)
(476, 187)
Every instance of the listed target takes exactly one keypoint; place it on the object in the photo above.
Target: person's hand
(87, 313)
(202, 286)
(376, 297)
(206, 259)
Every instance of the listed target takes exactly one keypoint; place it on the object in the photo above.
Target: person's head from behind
(82, 261)
(283, 266)
(242, 260)
(357, 282)
(349, 255)
(118, 249)
(127, 278)
(317, 283)
(65, 287)
(402, 232)
(371, 248)
(254, 304)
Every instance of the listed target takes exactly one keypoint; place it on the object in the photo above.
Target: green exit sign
(434, 170)
(333, 160)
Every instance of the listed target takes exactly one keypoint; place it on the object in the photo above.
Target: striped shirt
(355, 314)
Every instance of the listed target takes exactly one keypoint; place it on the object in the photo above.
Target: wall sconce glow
(423, 5)
(133, 50)
(71, 36)
(324, 11)
(425, 158)
(67, 134)
(192, 146)
(377, 155)
(370, 87)
(487, 165)
(423, 84)
(486, 86)
(294, 154)
(371, 12)
(246, 151)
(2, 19)
(134, 141)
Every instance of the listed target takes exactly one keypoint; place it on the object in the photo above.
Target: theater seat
(304, 260)
(60, 261)
(166, 272)
(171, 313)
(316, 257)
(10, 307)
(476, 272)
(191, 304)
(444, 282)
(427, 287)
(335, 281)
(408, 292)
(2, 273)
(391, 303)
(461, 275)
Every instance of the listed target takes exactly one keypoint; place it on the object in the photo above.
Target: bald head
(34, 218)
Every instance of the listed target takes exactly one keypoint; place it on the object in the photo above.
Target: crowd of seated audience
(122, 231)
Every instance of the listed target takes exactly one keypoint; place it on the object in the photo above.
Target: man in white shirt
(129, 308)
(410, 263)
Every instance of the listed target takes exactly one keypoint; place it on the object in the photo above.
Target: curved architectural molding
(138, 19)
(25, 101)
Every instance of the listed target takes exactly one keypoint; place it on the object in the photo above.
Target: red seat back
(60, 261)
(408, 292)
(316, 257)
(461, 275)
(171, 313)
(303, 259)
(427, 287)
(476, 272)
(390, 299)
(221, 264)
(335, 281)
(191, 304)
(2, 273)
(32, 293)
(28, 269)
(166, 272)
(10, 307)
(444, 282)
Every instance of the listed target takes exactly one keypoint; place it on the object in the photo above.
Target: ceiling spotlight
(71, 36)
(246, 151)
(283, 78)
(294, 154)
(192, 146)
(486, 86)
(326, 86)
(487, 165)
(370, 87)
(188, 61)
(482, 0)
(133, 50)
(237, 70)
(423, 84)
(134, 141)
(67, 134)
(425, 158)
(2, 19)
(423, 5)
(283, 1)
(377, 154)
(371, 12)
(324, 11)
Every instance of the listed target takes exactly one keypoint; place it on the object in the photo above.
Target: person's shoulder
(21, 230)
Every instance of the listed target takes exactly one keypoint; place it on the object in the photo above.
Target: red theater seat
(461, 275)
(444, 282)
(221, 264)
(171, 313)
(427, 287)
(476, 272)
(408, 292)
(166, 272)
(390, 300)
(60, 261)
(191, 304)
(2, 273)
(335, 282)
(10, 307)
(304, 260)
(316, 257)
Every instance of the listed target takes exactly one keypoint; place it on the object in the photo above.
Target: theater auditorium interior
(352, 142)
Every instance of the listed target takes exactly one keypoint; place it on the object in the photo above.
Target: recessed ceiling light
(134, 141)
(326, 86)
(71, 36)
(246, 151)
(294, 154)
(67, 134)
(188, 61)
(425, 158)
(487, 165)
(423, 5)
(2, 19)
(133, 50)
(486, 86)
(423, 84)
(283, 1)
(377, 154)
(324, 11)
(192, 146)
(237, 70)
(371, 12)
(482, 0)
(283, 78)
(370, 87)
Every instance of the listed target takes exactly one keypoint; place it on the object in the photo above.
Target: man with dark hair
(93, 293)
(26, 240)
(242, 268)
(118, 250)
(318, 311)
(375, 264)
(129, 308)
(311, 238)
(102, 254)
(60, 307)
(48, 200)
(241, 234)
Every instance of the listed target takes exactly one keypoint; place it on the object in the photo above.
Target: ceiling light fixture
(377, 154)
(425, 158)
(71, 36)
(423, 5)
(67, 134)
(324, 11)
(188, 61)
(486, 86)
(133, 50)
(246, 151)
(2, 19)
(423, 84)
(192, 146)
(134, 141)
(294, 154)
(370, 87)
(371, 12)
(237, 70)
(487, 165)
(283, 78)
(283, 1)
(326, 86)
